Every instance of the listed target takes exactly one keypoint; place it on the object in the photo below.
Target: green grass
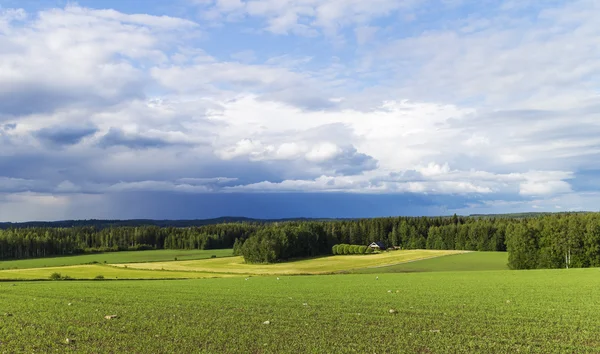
(541, 311)
(457, 262)
(320, 265)
(90, 271)
(115, 257)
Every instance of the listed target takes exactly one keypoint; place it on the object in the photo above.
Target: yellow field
(321, 265)
(91, 271)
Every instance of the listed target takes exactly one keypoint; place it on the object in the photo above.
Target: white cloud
(544, 188)
(323, 152)
(308, 17)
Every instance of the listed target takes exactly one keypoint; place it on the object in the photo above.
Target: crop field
(541, 311)
(92, 271)
(320, 265)
(458, 262)
(115, 257)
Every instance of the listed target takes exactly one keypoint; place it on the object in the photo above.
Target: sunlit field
(98, 271)
(115, 257)
(320, 265)
(541, 311)
(458, 262)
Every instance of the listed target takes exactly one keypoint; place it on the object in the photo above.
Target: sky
(297, 108)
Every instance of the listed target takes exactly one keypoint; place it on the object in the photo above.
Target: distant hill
(221, 220)
(146, 222)
(526, 215)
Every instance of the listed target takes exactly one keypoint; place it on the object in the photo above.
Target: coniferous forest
(539, 241)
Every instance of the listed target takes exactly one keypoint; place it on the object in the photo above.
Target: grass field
(92, 270)
(439, 312)
(457, 262)
(115, 257)
(321, 265)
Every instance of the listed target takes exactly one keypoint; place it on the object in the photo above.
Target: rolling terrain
(115, 257)
(319, 265)
(540, 311)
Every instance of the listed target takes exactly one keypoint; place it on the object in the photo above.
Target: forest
(540, 241)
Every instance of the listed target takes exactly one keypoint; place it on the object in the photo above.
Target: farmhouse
(377, 246)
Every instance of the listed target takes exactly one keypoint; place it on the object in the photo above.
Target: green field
(320, 265)
(458, 262)
(439, 312)
(115, 257)
(91, 271)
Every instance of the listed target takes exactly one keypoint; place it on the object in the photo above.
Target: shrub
(335, 249)
(99, 277)
(346, 249)
(213, 256)
(362, 249)
(142, 247)
(369, 250)
(55, 276)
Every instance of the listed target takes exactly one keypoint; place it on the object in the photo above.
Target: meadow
(538, 311)
(457, 262)
(318, 265)
(115, 257)
(91, 271)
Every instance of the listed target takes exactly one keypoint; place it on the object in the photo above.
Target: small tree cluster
(282, 242)
(343, 248)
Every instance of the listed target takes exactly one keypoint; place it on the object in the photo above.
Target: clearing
(319, 265)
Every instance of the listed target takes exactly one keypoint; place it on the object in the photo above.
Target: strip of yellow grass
(322, 265)
(91, 271)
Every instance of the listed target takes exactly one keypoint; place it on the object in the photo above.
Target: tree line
(542, 241)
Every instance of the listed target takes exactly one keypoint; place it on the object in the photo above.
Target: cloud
(306, 17)
(116, 137)
(497, 110)
(77, 56)
(269, 82)
(60, 136)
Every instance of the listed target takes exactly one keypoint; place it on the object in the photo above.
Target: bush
(99, 277)
(335, 249)
(343, 248)
(369, 250)
(346, 249)
(55, 276)
(141, 247)
(213, 256)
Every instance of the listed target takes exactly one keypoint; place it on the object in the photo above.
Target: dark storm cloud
(279, 205)
(26, 99)
(351, 162)
(116, 137)
(61, 135)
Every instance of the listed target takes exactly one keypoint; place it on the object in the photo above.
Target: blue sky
(290, 108)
